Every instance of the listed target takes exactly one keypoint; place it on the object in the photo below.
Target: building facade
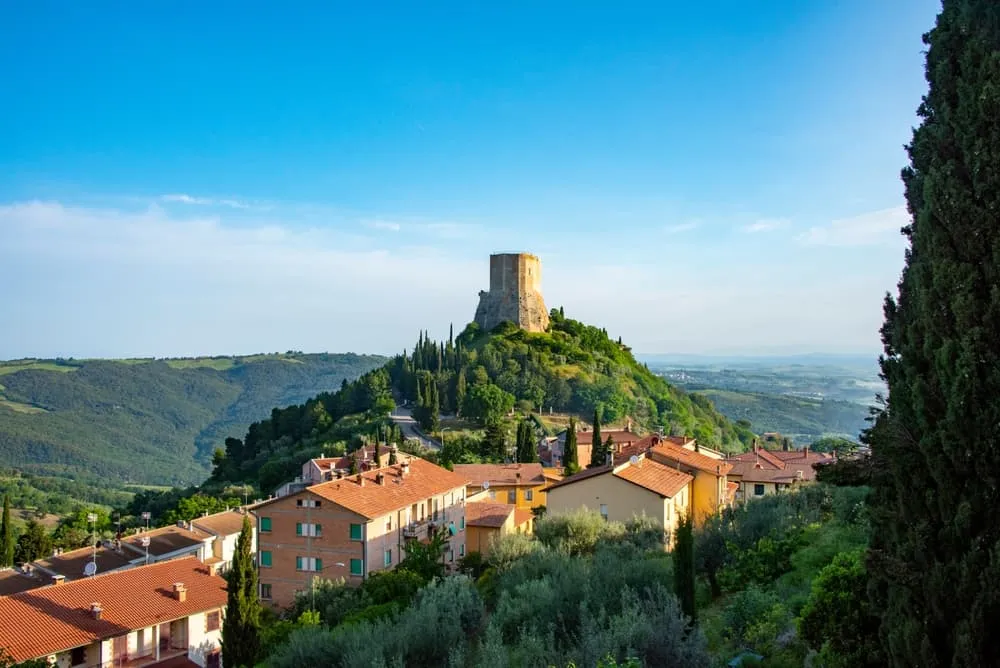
(520, 485)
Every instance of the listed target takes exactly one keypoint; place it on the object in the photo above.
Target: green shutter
(388, 557)
(298, 563)
(265, 524)
(319, 564)
(461, 523)
(265, 558)
(356, 567)
(298, 528)
(355, 532)
(318, 529)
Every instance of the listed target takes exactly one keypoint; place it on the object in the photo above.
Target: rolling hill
(149, 420)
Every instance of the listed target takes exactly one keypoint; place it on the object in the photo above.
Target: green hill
(572, 368)
(113, 422)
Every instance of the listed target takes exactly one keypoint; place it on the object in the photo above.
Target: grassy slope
(148, 421)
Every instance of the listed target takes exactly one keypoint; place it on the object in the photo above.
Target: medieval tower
(515, 293)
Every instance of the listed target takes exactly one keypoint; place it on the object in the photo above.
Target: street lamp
(443, 430)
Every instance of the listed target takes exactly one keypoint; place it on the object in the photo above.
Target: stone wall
(515, 293)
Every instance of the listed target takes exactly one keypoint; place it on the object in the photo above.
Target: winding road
(403, 417)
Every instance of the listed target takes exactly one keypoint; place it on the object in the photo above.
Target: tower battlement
(515, 293)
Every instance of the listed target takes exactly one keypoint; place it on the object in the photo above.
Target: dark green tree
(424, 559)
(494, 441)
(598, 457)
(460, 390)
(392, 457)
(571, 461)
(935, 549)
(6, 535)
(241, 630)
(526, 452)
(34, 543)
(684, 574)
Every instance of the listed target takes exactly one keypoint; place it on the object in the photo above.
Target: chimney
(380, 478)
(404, 468)
(361, 480)
(182, 524)
(628, 425)
(755, 446)
(96, 610)
(806, 450)
(58, 579)
(798, 474)
(180, 591)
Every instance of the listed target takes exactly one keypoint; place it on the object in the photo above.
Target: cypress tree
(570, 460)
(934, 558)
(241, 628)
(433, 406)
(6, 536)
(597, 455)
(684, 584)
(459, 391)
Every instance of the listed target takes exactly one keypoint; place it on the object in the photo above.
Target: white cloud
(765, 225)
(868, 229)
(382, 225)
(682, 227)
(205, 201)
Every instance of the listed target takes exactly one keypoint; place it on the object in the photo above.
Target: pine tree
(6, 535)
(597, 455)
(526, 453)
(934, 557)
(459, 392)
(684, 574)
(570, 460)
(241, 627)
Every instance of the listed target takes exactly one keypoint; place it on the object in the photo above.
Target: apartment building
(356, 525)
(168, 614)
(521, 485)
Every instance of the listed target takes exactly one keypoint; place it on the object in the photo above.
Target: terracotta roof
(492, 515)
(166, 540)
(502, 474)
(767, 456)
(576, 477)
(363, 454)
(12, 582)
(57, 618)
(655, 477)
(226, 523)
(398, 491)
(71, 564)
(617, 436)
(686, 457)
(522, 516)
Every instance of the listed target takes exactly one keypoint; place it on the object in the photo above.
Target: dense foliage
(241, 631)
(935, 553)
(148, 421)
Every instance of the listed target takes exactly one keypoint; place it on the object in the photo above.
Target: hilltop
(571, 368)
(155, 421)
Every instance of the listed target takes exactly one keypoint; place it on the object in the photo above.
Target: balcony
(416, 530)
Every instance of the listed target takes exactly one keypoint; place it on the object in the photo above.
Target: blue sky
(214, 178)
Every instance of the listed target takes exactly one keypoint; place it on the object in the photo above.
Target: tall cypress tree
(6, 536)
(684, 584)
(571, 461)
(241, 627)
(597, 455)
(935, 548)
(459, 391)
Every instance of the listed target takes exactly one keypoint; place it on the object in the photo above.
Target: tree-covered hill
(149, 421)
(482, 376)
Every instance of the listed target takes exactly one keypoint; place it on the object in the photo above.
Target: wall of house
(748, 492)
(501, 494)
(201, 641)
(93, 657)
(479, 539)
(707, 493)
(335, 545)
(623, 499)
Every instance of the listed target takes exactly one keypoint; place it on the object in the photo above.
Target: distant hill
(145, 420)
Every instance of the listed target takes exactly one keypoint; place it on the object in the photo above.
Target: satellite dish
(90, 569)
(633, 460)
(486, 484)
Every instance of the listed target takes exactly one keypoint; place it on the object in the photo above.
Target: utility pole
(92, 518)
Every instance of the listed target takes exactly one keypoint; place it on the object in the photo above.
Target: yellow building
(520, 485)
(485, 521)
(638, 486)
(710, 491)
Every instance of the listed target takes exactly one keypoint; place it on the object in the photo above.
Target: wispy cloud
(382, 225)
(868, 229)
(682, 227)
(765, 225)
(183, 198)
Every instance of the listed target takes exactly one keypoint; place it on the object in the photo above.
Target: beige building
(486, 521)
(638, 486)
(360, 524)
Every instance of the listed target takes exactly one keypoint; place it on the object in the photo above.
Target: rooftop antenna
(145, 516)
(633, 460)
(92, 518)
(90, 570)
(145, 544)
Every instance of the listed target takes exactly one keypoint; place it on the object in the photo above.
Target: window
(604, 511)
(356, 532)
(528, 494)
(212, 620)
(308, 564)
(265, 591)
(265, 558)
(265, 524)
(461, 550)
(298, 528)
(758, 489)
(451, 555)
(512, 496)
(357, 567)
(388, 524)
(461, 523)
(307, 503)
(308, 529)
(77, 656)
(388, 558)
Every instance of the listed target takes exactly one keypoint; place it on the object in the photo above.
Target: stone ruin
(515, 293)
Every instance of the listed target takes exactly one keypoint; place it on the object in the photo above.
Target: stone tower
(515, 293)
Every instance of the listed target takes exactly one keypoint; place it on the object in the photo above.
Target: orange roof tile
(576, 477)
(502, 474)
(522, 516)
(166, 540)
(492, 515)
(226, 523)
(398, 491)
(71, 564)
(13, 581)
(57, 618)
(695, 460)
(655, 477)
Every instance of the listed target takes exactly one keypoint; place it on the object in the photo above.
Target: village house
(638, 486)
(762, 472)
(486, 521)
(322, 468)
(520, 485)
(167, 615)
(710, 489)
(356, 525)
(551, 449)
